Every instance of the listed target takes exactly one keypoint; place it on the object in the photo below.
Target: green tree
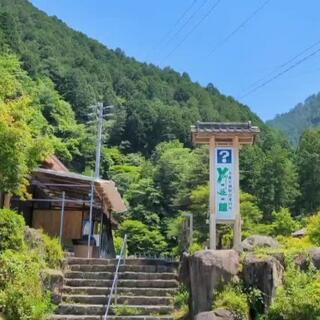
(277, 186)
(142, 240)
(308, 162)
(22, 128)
(283, 223)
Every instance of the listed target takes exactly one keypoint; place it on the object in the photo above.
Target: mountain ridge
(301, 117)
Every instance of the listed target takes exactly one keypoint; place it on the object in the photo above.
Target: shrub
(313, 229)
(283, 223)
(11, 230)
(181, 303)
(142, 240)
(195, 247)
(233, 299)
(299, 298)
(118, 243)
(53, 252)
(22, 295)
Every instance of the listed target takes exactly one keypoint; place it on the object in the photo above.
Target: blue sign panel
(224, 155)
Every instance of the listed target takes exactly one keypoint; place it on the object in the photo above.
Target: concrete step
(98, 309)
(121, 283)
(130, 299)
(122, 275)
(123, 268)
(88, 317)
(129, 261)
(151, 292)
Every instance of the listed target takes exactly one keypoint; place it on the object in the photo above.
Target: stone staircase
(145, 289)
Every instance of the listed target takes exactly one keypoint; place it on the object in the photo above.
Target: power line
(280, 73)
(185, 12)
(239, 27)
(169, 32)
(187, 21)
(283, 65)
(192, 30)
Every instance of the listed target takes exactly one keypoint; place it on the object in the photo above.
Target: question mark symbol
(224, 154)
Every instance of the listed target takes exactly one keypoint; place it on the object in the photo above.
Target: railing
(114, 287)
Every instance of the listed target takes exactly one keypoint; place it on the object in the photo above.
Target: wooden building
(60, 205)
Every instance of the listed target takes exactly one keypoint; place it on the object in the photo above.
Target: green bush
(142, 240)
(313, 229)
(195, 247)
(118, 243)
(232, 298)
(53, 252)
(283, 223)
(11, 230)
(22, 296)
(299, 298)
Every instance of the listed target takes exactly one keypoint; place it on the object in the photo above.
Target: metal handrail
(114, 287)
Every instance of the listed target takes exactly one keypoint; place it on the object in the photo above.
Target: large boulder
(256, 241)
(217, 314)
(208, 270)
(263, 273)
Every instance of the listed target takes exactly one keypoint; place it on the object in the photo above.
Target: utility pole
(96, 176)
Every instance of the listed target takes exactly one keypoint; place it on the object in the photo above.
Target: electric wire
(186, 22)
(239, 27)
(177, 22)
(297, 63)
(255, 83)
(212, 8)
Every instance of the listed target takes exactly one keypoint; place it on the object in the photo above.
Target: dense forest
(303, 116)
(51, 75)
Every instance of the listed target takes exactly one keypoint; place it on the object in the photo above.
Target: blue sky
(148, 30)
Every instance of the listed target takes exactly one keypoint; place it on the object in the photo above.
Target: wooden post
(212, 209)
(237, 222)
(7, 200)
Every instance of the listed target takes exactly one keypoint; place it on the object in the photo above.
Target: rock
(208, 270)
(303, 260)
(257, 241)
(315, 257)
(299, 233)
(263, 273)
(217, 314)
(53, 281)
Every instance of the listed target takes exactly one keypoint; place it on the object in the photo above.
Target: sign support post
(237, 222)
(212, 213)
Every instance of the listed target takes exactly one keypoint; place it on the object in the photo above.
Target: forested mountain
(303, 116)
(156, 105)
(58, 73)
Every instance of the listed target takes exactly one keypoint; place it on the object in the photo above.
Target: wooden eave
(224, 133)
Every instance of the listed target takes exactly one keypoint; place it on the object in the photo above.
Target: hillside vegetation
(303, 116)
(58, 73)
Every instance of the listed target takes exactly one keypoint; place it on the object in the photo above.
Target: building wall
(49, 221)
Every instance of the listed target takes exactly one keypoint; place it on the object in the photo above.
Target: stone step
(151, 292)
(122, 275)
(121, 283)
(88, 317)
(123, 268)
(128, 261)
(98, 309)
(131, 300)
